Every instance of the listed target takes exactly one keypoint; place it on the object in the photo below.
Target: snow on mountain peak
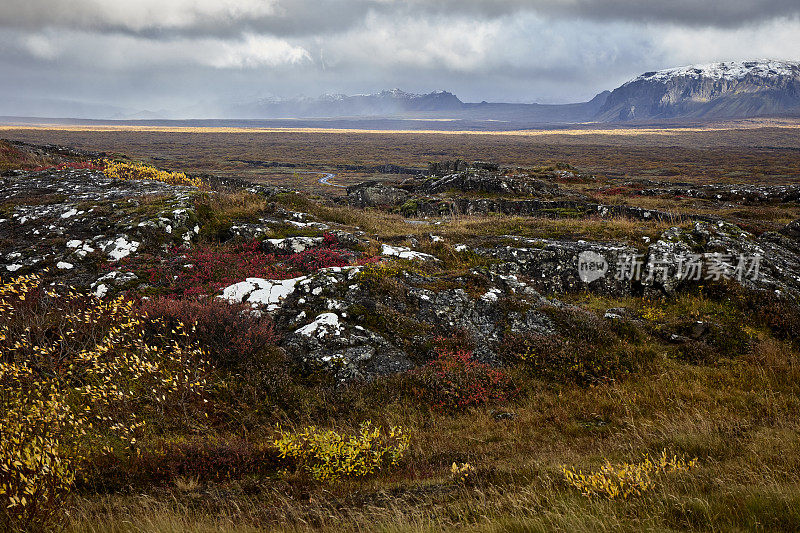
(730, 70)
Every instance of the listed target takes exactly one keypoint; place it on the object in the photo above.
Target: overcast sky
(153, 54)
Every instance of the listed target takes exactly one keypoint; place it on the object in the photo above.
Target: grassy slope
(738, 414)
(739, 419)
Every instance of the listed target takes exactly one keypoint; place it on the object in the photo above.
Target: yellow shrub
(625, 479)
(376, 272)
(653, 314)
(329, 455)
(34, 476)
(138, 171)
(461, 472)
(76, 374)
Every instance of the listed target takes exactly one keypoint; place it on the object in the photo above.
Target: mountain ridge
(725, 90)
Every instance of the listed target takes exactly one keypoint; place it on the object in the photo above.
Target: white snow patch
(324, 325)
(121, 248)
(63, 265)
(14, 267)
(261, 291)
(492, 295)
(70, 213)
(405, 253)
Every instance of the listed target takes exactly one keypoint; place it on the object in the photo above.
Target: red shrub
(205, 269)
(329, 240)
(312, 260)
(231, 334)
(454, 380)
(222, 460)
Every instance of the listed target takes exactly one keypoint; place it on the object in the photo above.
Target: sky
(192, 54)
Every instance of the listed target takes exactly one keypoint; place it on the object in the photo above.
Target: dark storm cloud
(167, 18)
(175, 53)
(718, 13)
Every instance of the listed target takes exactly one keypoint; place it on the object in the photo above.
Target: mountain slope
(713, 91)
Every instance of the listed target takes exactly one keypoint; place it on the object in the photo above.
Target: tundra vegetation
(263, 359)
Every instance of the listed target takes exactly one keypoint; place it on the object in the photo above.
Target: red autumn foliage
(454, 381)
(231, 334)
(204, 269)
(312, 260)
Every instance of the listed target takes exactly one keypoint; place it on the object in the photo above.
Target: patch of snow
(492, 295)
(75, 243)
(120, 248)
(261, 291)
(405, 253)
(63, 265)
(101, 290)
(731, 70)
(14, 267)
(71, 213)
(460, 248)
(324, 325)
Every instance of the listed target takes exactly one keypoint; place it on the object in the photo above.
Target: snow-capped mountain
(713, 91)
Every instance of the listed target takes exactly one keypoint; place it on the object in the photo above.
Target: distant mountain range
(694, 93)
(698, 92)
(399, 104)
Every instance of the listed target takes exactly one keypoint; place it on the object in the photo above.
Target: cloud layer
(174, 53)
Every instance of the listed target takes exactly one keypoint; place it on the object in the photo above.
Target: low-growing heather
(231, 334)
(312, 260)
(454, 380)
(204, 269)
(203, 459)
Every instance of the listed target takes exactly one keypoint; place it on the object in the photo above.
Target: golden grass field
(745, 151)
